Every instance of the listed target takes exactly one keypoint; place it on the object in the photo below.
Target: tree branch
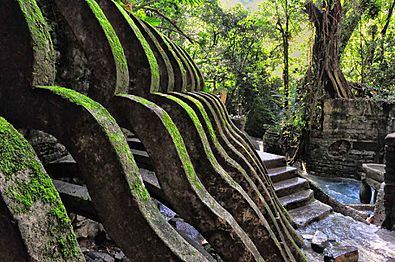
(142, 5)
(388, 20)
(171, 22)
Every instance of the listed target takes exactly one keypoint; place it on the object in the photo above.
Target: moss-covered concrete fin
(114, 133)
(116, 47)
(31, 196)
(43, 51)
(154, 69)
(176, 137)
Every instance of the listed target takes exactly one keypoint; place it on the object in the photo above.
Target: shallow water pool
(344, 190)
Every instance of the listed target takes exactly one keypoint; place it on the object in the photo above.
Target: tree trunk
(284, 30)
(326, 61)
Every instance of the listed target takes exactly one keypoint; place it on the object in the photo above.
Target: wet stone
(341, 253)
(182, 227)
(319, 242)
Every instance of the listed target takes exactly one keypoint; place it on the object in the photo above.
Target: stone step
(67, 168)
(142, 159)
(314, 211)
(282, 173)
(297, 199)
(271, 160)
(290, 186)
(135, 143)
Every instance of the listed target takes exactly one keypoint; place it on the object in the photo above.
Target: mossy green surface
(176, 137)
(195, 119)
(185, 63)
(205, 117)
(154, 68)
(192, 65)
(167, 42)
(169, 68)
(182, 151)
(116, 47)
(112, 130)
(17, 157)
(44, 53)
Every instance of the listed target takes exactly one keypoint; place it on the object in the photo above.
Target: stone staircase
(294, 192)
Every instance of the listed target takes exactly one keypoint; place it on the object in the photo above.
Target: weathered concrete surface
(235, 170)
(190, 79)
(216, 180)
(90, 134)
(109, 76)
(177, 177)
(142, 66)
(180, 73)
(30, 206)
(198, 74)
(188, 64)
(77, 25)
(241, 143)
(166, 72)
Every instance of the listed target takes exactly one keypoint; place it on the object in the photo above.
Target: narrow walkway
(294, 192)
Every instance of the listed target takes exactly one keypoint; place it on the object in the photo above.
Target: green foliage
(369, 58)
(241, 50)
(263, 116)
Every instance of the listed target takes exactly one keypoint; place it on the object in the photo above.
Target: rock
(365, 192)
(98, 257)
(86, 228)
(341, 253)
(319, 242)
(370, 219)
(182, 227)
(119, 256)
(307, 236)
(379, 209)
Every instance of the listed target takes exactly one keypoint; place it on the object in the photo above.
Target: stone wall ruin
(352, 133)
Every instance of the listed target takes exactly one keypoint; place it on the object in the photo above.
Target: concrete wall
(352, 133)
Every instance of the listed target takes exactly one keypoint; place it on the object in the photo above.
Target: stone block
(339, 253)
(319, 242)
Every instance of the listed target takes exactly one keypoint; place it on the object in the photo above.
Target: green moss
(176, 137)
(116, 47)
(140, 100)
(147, 49)
(167, 42)
(181, 63)
(182, 151)
(198, 126)
(205, 117)
(114, 133)
(216, 105)
(185, 63)
(17, 160)
(170, 72)
(192, 65)
(44, 54)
